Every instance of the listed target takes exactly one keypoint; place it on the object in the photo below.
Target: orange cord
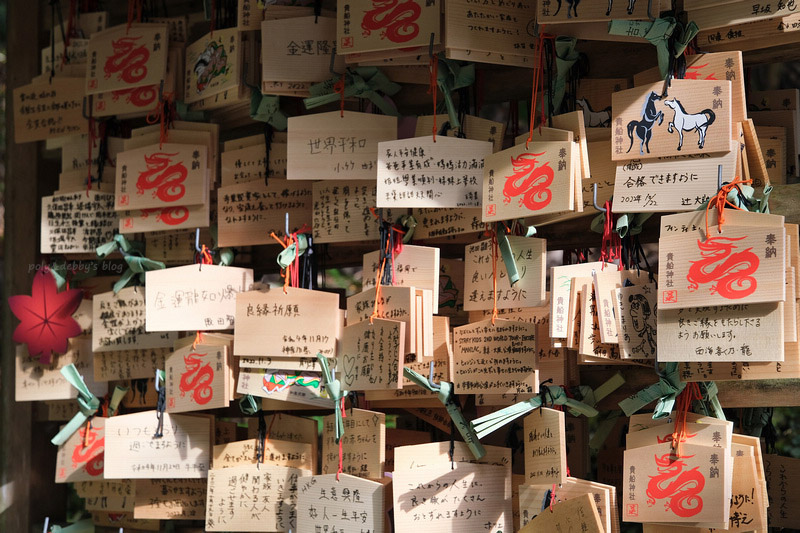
(684, 405)
(341, 455)
(134, 6)
(338, 87)
(720, 200)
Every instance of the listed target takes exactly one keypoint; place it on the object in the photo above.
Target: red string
(720, 201)
(213, 16)
(552, 497)
(134, 10)
(92, 139)
(538, 83)
(684, 405)
(163, 114)
(495, 254)
(611, 247)
(338, 87)
(433, 89)
(341, 455)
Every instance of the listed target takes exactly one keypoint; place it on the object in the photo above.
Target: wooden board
(45, 110)
(578, 512)
(213, 65)
(81, 457)
(196, 378)
(371, 353)
(421, 172)
(128, 364)
(75, 223)
(545, 447)
(119, 323)
(414, 266)
(299, 49)
(341, 212)
(363, 26)
(363, 444)
(529, 291)
(325, 146)
(495, 359)
(248, 212)
(641, 115)
(300, 323)
(498, 29)
(36, 382)
(475, 128)
(170, 499)
(131, 451)
(276, 452)
(560, 286)
(129, 57)
(250, 163)
(434, 223)
(175, 301)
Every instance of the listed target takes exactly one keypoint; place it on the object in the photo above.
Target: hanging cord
(92, 139)
(538, 83)
(71, 23)
(268, 134)
(682, 408)
(389, 248)
(720, 200)
(134, 11)
(433, 88)
(163, 114)
(341, 454)
(495, 255)
(339, 87)
(161, 406)
(611, 247)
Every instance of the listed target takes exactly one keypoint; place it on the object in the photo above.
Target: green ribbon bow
(132, 253)
(494, 421)
(627, 223)
(361, 82)
(445, 392)
(267, 108)
(591, 396)
(658, 33)
(291, 252)
(750, 202)
(509, 261)
(60, 272)
(666, 390)
(116, 398)
(81, 526)
(451, 76)
(566, 56)
(410, 223)
(88, 404)
(249, 405)
(335, 392)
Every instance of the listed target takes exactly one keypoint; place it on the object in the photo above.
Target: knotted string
(433, 88)
(338, 88)
(163, 114)
(611, 247)
(720, 201)
(134, 10)
(685, 399)
(495, 254)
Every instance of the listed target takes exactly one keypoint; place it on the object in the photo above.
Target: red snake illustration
(168, 180)
(682, 492)
(733, 276)
(172, 216)
(535, 185)
(398, 18)
(138, 96)
(200, 383)
(128, 62)
(92, 454)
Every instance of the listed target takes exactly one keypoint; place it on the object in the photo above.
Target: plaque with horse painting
(690, 117)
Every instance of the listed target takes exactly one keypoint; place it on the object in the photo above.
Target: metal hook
(719, 177)
(333, 59)
(91, 107)
(436, 386)
(430, 46)
(594, 199)
(286, 225)
(650, 11)
(157, 388)
(197, 241)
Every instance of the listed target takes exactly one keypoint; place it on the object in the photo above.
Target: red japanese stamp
(347, 42)
(101, 105)
(632, 509)
(127, 223)
(172, 401)
(491, 210)
(124, 200)
(669, 297)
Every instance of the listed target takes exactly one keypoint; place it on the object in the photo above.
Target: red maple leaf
(46, 322)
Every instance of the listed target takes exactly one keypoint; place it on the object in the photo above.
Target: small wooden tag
(124, 57)
(196, 378)
(276, 452)
(81, 457)
(545, 447)
(370, 355)
(170, 499)
(73, 223)
(343, 503)
(213, 65)
(363, 26)
(119, 320)
(45, 110)
(363, 444)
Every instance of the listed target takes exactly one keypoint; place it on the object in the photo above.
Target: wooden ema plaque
(695, 118)
(371, 353)
(75, 223)
(328, 146)
(249, 164)
(529, 291)
(475, 128)
(276, 452)
(300, 323)
(693, 267)
(577, 512)
(343, 503)
(45, 110)
(299, 49)
(419, 172)
(213, 65)
(164, 219)
(414, 266)
(341, 212)
(495, 359)
(194, 297)
(525, 181)
(128, 364)
(638, 324)
(363, 444)
(107, 496)
(81, 457)
(230, 505)
(365, 26)
(248, 212)
(170, 499)
(545, 447)
(196, 378)
(37, 382)
(118, 323)
(132, 452)
(163, 175)
(561, 284)
(124, 58)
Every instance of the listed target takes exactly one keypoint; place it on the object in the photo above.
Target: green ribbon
(566, 56)
(267, 108)
(410, 223)
(591, 396)
(81, 526)
(750, 203)
(88, 404)
(249, 405)
(335, 392)
(116, 398)
(666, 390)
(710, 392)
(494, 421)
(605, 424)
(658, 33)
(291, 252)
(627, 223)
(360, 82)
(133, 256)
(446, 394)
(60, 272)
(451, 76)
(509, 261)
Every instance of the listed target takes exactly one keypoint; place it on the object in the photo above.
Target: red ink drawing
(681, 488)
(124, 199)
(347, 42)
(197, 378)
(396, 19)
(731, 270)
(632, 509)
(163, 176)
(129, 62)
(491, 210)
(669, 297)
(694, 73)
(171, 216)
(534, 187)
(137, 96)
(92, 454)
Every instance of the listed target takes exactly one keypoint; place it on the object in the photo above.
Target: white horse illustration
(683, 121)
(592, 118)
